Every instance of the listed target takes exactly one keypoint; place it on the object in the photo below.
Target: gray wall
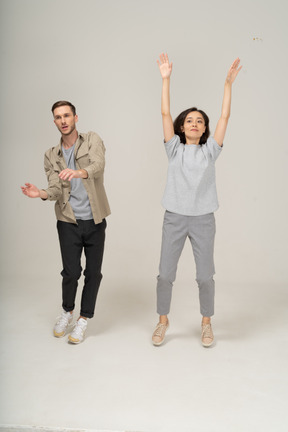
(102, 55)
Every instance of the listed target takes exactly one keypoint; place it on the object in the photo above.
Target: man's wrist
(43, 194)
(83, 173)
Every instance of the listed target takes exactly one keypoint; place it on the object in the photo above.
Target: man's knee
(73, 274)
(93, 273)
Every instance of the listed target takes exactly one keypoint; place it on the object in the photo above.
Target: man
(74, 170)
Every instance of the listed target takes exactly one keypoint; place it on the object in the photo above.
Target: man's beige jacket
(89, 155)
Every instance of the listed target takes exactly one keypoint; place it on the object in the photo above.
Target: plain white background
(102, 57)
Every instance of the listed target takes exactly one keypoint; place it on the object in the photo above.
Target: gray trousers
(201, 232)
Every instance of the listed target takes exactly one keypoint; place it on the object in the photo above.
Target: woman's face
(193, 127)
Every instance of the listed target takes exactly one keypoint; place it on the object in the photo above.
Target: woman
(190, 199)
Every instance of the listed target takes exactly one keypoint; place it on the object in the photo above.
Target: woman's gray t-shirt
(191, 186)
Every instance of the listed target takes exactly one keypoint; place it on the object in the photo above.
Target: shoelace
(63, 319)
(78, 328)
(207, 331)
(160, 329)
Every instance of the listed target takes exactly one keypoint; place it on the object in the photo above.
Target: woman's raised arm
(166, 69)
(226, 104)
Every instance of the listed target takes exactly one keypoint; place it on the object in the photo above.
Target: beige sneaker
(159, 333)
(207, 335)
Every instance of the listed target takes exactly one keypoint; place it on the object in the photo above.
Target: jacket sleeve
(54, 190)
(96, 154)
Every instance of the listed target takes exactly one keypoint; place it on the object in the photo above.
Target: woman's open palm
(164, 66)
(233, 71)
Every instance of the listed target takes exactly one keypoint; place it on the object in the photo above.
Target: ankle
(163, 319)
(206, 320)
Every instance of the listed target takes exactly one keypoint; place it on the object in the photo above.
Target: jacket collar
(78, 142)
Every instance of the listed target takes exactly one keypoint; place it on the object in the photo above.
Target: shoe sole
(207, 345)
(74, 341)
(59, 335)
(158, 343)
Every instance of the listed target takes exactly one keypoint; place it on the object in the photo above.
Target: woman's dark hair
(179, 122)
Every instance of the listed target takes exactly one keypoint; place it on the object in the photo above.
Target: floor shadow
(249, 313)
(122, 306)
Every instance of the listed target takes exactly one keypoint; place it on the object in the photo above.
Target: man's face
(65, 120)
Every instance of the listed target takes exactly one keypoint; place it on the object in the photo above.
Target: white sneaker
(63, 322)
(78, 332)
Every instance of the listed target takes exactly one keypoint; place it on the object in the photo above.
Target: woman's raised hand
(233, 71)
(164, 66)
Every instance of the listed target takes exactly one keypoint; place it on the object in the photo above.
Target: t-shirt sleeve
(213, 148)
(172, 146)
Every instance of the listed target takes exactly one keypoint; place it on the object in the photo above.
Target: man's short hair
(63, 103)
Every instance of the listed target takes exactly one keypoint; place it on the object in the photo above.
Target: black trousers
(73, 239)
